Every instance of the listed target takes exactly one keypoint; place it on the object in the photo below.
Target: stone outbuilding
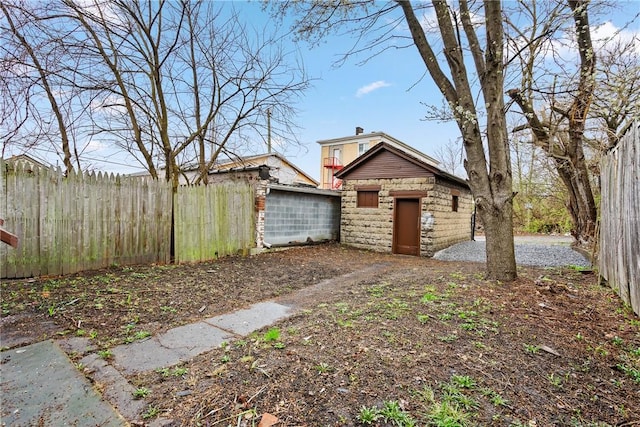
(395, 202)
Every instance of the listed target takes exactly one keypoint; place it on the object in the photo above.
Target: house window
(337, 156)
(454, 203)
(367, 199)
(362, 148)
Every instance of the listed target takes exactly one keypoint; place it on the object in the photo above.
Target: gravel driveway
(539, 251)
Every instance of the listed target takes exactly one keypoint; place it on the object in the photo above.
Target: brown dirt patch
(551, 348)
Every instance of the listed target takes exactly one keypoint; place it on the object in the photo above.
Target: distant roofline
(220, 167)
(273, 153)
(364, 136)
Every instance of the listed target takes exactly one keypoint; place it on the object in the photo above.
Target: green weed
(423, 318)
(428, 297)
(395, 309)
(447, 414)
(392, 413)
(272, 334)
(555, 380)
(377, 290)
(141, 392)
(448, 338)
(630, 371)
(368, 415)
(177, 372)
(151, 412)
(240, 343)
(105, 354)
(463, 381)
(323, 368)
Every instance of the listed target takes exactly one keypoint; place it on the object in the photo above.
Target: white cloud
(93, 145)
(608, 33)
(364, 90)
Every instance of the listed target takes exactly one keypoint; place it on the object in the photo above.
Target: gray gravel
(543, 251)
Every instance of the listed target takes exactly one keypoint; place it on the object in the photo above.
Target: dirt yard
(416, 342)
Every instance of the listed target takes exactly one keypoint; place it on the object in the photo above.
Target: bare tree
(560, 127)
(30, 65)
(381, 26)
(451, 157)
(174, 84)
(616, 101)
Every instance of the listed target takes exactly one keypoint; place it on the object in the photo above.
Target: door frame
(407, 195)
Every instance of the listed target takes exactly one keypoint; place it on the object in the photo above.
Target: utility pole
(269, 130)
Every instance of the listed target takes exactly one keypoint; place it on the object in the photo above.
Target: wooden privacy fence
(620, 218)
(213, 220)
(90, 221)
(81, 222)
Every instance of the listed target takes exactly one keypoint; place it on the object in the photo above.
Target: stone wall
(372, 228)
(448, 227)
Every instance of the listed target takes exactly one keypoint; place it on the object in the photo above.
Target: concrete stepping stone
(41, 386)
(243, 322)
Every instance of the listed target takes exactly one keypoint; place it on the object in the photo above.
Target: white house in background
(281, 170)
(25, 159)
(270, 166)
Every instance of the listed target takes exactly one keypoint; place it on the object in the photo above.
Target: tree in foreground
(480, 116)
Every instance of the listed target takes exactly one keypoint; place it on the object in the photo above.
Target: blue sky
(385, 94)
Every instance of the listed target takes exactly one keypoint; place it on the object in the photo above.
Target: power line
(35, 154)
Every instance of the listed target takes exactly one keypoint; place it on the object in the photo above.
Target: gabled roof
(241, 164)
(259, 160)
(383, 146)
(28, 159)
(382, 137)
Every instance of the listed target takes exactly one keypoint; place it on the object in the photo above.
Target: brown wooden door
(406, 227)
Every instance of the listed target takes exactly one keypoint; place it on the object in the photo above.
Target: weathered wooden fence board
(620, 218)
(80, 222)
(3, 212)
(213, 221)
(90, 221)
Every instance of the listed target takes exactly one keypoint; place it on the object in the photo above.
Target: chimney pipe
(359, 130)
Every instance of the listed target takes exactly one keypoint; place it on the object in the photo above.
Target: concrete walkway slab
(40, 386)
(243, 322)
(172, 347)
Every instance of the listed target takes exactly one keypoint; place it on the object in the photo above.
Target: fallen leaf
(267, 420)
(549, 350)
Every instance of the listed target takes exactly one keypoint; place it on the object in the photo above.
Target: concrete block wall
(293, 217)
(372, 228)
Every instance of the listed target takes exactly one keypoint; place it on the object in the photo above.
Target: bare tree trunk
(566, 146)
(581, 205)
(44, 82)
(491, 183)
